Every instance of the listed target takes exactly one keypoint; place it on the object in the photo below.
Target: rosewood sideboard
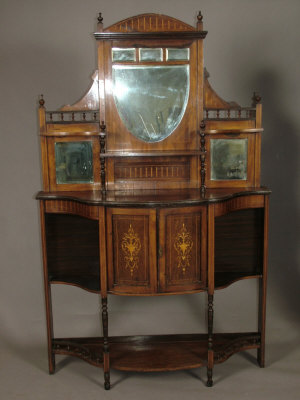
(152, 187)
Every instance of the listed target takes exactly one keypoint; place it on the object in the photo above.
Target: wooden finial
(41, 101)
(100, 18)
(102, 126)
(202, 125)
(199, 21)
(100, 24)
(256, 98)
(199, 17)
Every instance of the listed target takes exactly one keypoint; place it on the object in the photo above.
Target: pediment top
(150, 23)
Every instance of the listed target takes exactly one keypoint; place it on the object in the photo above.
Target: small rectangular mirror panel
(229, 159)
(151, 54)
(123, 54)
(178, 54)
(74, 162)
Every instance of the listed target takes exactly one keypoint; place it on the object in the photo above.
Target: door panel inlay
(183, 246)
(131, 250)
(131, 246)
(182, 238)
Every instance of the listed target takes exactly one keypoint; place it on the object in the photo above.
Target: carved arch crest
(150, 23)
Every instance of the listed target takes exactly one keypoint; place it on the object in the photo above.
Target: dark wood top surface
(152, 198)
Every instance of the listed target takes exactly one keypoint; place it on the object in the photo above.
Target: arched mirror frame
(151, 31)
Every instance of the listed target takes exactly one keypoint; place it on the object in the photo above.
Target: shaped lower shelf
(159, 352)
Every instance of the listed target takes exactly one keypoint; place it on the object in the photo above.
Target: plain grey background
(47, 47)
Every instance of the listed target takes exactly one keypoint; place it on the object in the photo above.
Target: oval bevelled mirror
(151, 99)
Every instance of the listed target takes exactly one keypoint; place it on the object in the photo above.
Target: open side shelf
(224, 279)
(157, 352)
(88, 284)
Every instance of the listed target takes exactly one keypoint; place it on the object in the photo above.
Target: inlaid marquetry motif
(71, 207)
(148, 23)
(183, 245)
(131, 246)
(154, 171)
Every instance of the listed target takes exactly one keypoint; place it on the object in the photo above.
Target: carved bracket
(239, 344)
(85, 352)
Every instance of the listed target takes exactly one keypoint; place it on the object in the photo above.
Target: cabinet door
(132, 263)
(182, 249)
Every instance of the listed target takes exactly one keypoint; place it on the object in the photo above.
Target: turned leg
(210, 357)
(209, 381)
(105, 344)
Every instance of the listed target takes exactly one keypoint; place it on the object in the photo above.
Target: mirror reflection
(151, 54)
(151, 100)
(123, 54)
(229, 159)
(178, 54)
(74, 162)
